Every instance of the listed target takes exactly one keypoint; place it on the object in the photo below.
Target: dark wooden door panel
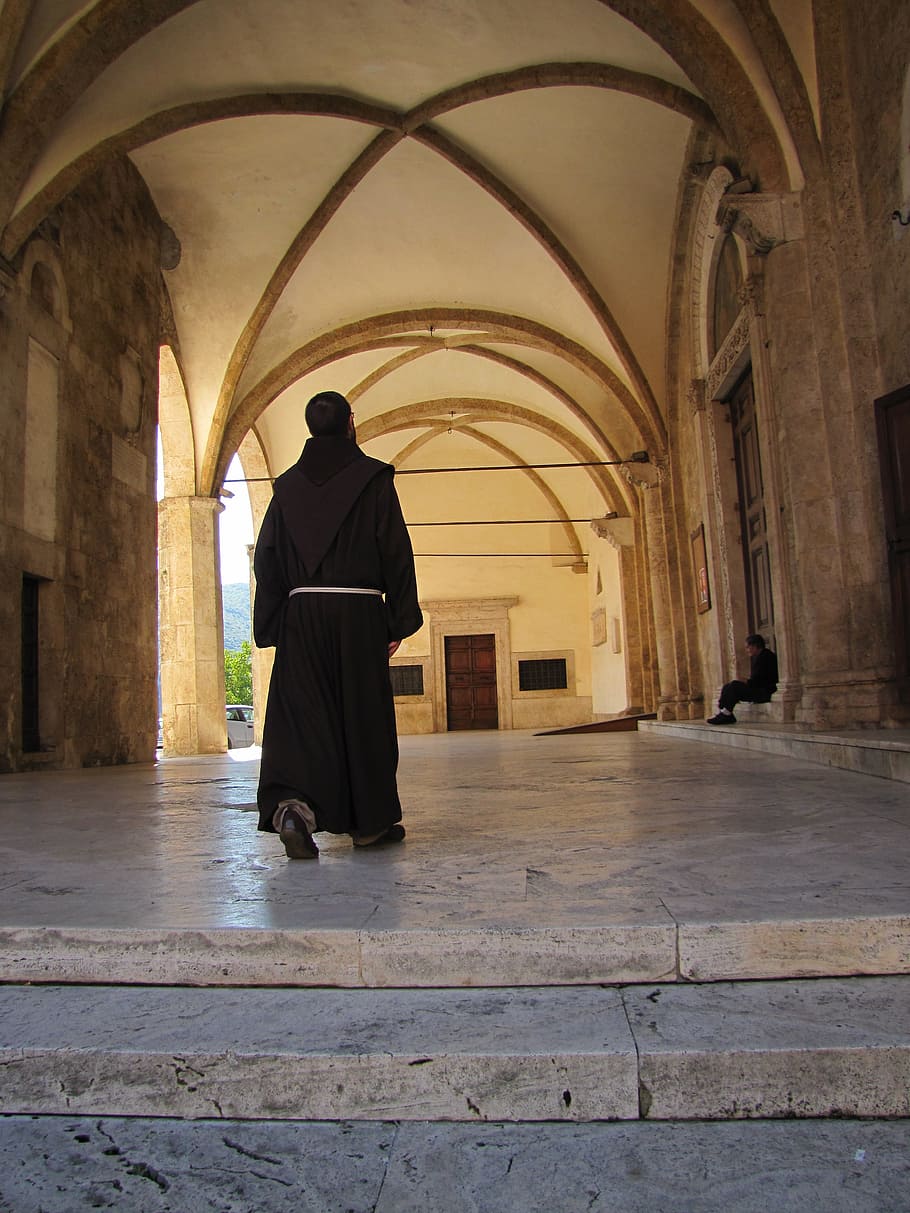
(893, 419)
(471, 699)
(756, 557)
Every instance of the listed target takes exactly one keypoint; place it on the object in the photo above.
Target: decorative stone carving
(695, 396)
(762, 221)
(752, 294)
(703, 244)
(731, 358)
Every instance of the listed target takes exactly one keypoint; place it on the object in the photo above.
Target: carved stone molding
(731, 358)
(468, 608)
(695, 396)
(704, 241)
(464, 616)
(762, 221)
(752, 294)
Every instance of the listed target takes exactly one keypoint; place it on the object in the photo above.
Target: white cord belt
(332, 589)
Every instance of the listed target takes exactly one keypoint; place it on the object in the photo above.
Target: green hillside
(236, 607)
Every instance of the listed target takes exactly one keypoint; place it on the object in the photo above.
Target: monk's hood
(319, 491)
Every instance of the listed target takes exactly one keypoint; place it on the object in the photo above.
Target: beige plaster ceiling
(460, 212)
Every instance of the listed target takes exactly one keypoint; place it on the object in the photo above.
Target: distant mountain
(236, 606)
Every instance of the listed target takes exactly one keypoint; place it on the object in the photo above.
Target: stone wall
(876, 72)
(79, 326)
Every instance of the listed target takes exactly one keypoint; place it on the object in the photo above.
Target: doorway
(756, 560)
(893, 419)
(470, 663)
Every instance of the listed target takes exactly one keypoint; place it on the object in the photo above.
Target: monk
(336, 593)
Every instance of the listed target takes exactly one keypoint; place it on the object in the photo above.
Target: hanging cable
(635, 457)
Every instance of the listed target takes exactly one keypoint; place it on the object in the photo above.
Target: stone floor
(675, 859)
(504, 829)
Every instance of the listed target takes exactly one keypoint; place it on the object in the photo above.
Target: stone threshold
(884, 753)
(694, 950)
(659, 1052)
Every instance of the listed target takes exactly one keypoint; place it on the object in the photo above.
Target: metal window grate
(407, 679)
(548, 674)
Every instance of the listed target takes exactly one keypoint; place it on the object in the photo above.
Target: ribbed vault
(464, 214)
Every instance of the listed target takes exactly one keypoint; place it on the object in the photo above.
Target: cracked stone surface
(73, 1165)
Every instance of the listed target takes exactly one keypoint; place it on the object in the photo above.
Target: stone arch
(614, 489)
(500, 448)
(514, 364)
(97, 38)
(175, 427)
(395, 329)
(705, 246)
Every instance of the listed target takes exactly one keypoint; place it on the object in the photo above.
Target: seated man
(758, 687)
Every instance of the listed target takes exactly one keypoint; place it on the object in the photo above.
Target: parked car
(239, 725)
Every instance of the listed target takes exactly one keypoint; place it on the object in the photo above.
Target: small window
(548, 674)
(406, 679)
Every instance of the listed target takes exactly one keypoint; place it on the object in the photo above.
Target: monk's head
(328, 415)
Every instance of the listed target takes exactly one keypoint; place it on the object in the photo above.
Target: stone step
(73, 1164)
(884, 753)
(821, 1048)
(618, 953)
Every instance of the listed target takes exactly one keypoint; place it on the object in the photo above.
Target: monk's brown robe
(329, 736)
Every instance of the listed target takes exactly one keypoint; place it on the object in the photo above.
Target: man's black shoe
(394, 833)
(298, 842)
(722, 718)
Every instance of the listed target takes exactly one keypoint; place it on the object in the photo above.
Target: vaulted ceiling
(461, 213)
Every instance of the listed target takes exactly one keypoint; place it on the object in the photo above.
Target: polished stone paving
(735, 861)
(505, 830)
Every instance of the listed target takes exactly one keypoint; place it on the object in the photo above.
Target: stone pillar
(191, 628)
(820, 452)
(620, 533)
(263, 660)
(675, 701)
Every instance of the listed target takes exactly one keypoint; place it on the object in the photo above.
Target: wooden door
(893, 418)
(471, 682)
(759, 599)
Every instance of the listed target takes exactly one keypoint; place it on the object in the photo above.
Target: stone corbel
(645, 475)
(618, 532)
(762, 221)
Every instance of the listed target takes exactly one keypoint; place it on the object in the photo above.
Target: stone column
(675, 701)
(191, 628)
(620, 533)
(263, 660)
(821, 457)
